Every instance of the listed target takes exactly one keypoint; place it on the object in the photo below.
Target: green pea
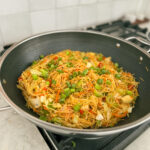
(97, 86)
(100, 81)
(118, 76)
(59, 59)
(76, 107)
(69, 64)
(67, 91)
(34, 76)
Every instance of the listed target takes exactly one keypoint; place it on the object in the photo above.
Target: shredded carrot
(57, 96)
(120, 115)
(45, 108)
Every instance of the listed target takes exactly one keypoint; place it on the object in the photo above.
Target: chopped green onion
(100, 58)
(63, 96)
(76, 107)
(41, 56)
(53, 82)
(59, 59)
(85, 57)
(60, 71)
(116, 65)
(85, 72)
(118, 69)
(61, 100)
(97, 86)
(100, 81)
(67, 53)
(72, 90)
(70, 77)
(103, 71)
(34, 62)
(68, 84)
(67, 91)
(108, 82)
(75, 74)
(73, 144)
(50, 106)
(129, 92)
(97, 93)
(117, 76)
(34, 76)
(44, 73)
(47, 83)
(56, 120)
(73, 85)
(69, 64)
(43, 118)
(71, 57)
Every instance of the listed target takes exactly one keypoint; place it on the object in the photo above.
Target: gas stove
(119, 28)
(123, 29)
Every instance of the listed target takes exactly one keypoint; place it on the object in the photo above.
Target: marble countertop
(17, 133)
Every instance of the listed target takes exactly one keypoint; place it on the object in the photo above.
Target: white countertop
(17, 133)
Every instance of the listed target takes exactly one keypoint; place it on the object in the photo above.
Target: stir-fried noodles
(78, 89)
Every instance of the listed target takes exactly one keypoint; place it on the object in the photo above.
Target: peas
(108, 82)
(44, 73)
(129, 92)
(118, 76)
(47, 83)
(116, 65)
(103, 71)
(56, 120)
(60, 71)
(85, 57)
(41, 56)
(100, 81)
(76, 107)
(97, 86)
(85, 72)
(53, 82)
(34, 76)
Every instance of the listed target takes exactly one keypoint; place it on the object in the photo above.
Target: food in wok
(78, 89)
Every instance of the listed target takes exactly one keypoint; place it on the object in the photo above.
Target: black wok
(129, 56)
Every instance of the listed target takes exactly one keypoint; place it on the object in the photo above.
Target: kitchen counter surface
(17, 133)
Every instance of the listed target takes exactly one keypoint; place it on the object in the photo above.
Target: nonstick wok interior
(126, 55)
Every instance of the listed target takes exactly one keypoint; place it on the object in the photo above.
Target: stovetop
(119, 28)
(123, 29)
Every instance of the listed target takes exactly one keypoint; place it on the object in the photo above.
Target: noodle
(78, 89)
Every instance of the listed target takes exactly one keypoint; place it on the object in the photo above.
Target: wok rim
(62, 129)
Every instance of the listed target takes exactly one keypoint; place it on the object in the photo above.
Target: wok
(131, 57)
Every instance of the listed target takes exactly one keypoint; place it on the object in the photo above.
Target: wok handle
(142, 40)
(5, 108)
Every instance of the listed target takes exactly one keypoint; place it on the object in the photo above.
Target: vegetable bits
(78, 89)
